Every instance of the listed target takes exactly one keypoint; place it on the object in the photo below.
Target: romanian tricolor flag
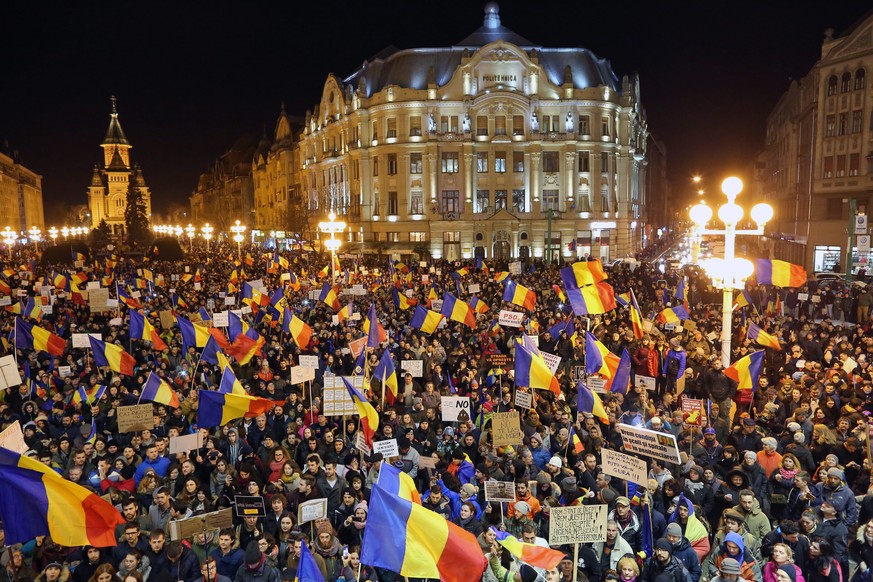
(463, 272)
(375, 332)
(636, 316)
(559, 293)
(578, 447)
(598, 359)
(88, 396)
(60, 282)
(245, 347)
(324, 272)
(623, 299)
(398, 483)
(299, 329)
(403, 302)
(346, 312)
(530, 554)
(236, 325)
(5, 289)
(746, 371)
(592, 299)
(583, 273)
(743, 299)
(330, 296)
(234, 277)
(113, 356)
(217, 408)
(131, 302)
(620, 381)
(761, 337)
(157, 390)
(32, 309)
(779, 273)
(478, 305)
(28, 336)
(141, 328)
(37, 501)
(588, 401)
(501, 276)
(425, 319)
(519, 295)
(253, 297)
(387, 375)
(531, 371)
(457, 310)
(422, 543)
(192, 335)
(229, 383)
(673, 315)
(368, 415)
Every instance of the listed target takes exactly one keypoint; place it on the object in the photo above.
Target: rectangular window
(392, 127)
(857, 117)
(482, 162)
(377, 205)
(415, 163)
(604, 163)
(604, 198)
(828, 169)
(375, 130)
(604, 126)
(854, 164)
(835, 208)
(415, 125)
(499, 199)
(584, 203)
(377, 236)
(550, 200)
(584, 125)
(375, 165)
(550, 162)
(392, 164)
(417, 237)
(449, 162)
(356, 170)
(444, 123)
(451, 202)
(518, 201)
(500, 162)
(584, 162)
(841, 165)
(518, 125)
(416, 202)
(844, 124)
(483, 200)
(500, 125)
(392, 203)
(452, 236)
(482, 125)
(518, 161)
(830, 125)
(393, 236)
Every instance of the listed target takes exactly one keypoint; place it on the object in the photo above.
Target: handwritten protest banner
(623, 466)
(579, 524)
(505, 429)
(649, 443)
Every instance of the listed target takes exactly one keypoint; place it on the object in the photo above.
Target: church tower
(107, 194)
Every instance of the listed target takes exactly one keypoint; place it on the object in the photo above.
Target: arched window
(845, 82)
(860, 79)
(832, 85)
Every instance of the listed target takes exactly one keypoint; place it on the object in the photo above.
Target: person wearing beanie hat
(682, 550)
(461, 468)
(662, 562)
(835, 491)
(747, 438)
(786, 573)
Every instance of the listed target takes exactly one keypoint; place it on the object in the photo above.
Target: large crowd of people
(772, 484)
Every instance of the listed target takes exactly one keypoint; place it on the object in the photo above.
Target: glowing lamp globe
(700, 214)
(762, 213)
(732, 186)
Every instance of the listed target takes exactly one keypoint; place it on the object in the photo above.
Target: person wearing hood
(682, 549)
(674, 364)
(733, 522)
(663, 565)
(701, 494)
(91, 558)
(692, 528)
(756, 520)
(733, 548)
(541, 454)
(461, 468)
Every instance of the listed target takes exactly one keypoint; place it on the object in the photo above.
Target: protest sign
(455, 408)
(623, 466)
(80, 340)
(579, 524)
(515, 268)
(357, 346)
(65, 371)
(221, 319)
(510, 318)
(552, 361)
(523, 399)
(649, 443)
(473, 288)
(249, 505)
(505, 429)
(300, 374)
(13, 439)
(388, 448)
(436, 305)
(5, 301)
(646, 382)
(168, 320)
(414, 367)
(335, 396)
(184, 443)
(500, 491)
(135, 417)
(692, 411)
(9, 375)
(312, 510)
(596, 384)
(98, 300)
(309, 362)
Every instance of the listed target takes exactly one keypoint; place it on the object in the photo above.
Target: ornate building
(107, 194)
(278, 207)
(817, 162)
(225, 193)
(20, 194)
(494, 147)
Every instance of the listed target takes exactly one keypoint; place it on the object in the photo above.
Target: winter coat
(264, 573)
(756, 522)
(770, 573)
(688, 557)
(843, 501)
(652, 569)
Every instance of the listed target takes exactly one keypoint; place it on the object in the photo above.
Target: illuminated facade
(225, 193)
(107, 194)
(818, 158)
(494, 147)
(20, 195)
(279, 212)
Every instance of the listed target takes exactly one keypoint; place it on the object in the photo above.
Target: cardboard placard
(692, 410)
(168, 320)
(249, 505)
(578, 524)
(220, 319)
(312, 510)
(5, 301)
(500, 491)
(523, 399)
(230, 300)
(436, 305)
(98, 300)
(92, 285)
(185, 443)
(180, 529)
(388, 448)
(552, 361)
(802, 296)
(135, 417)
(649, 443)
(498, 360)
(13, 439)
(597, 384)
(515, 268)
(506, 429)
(80, 340)
(473, 288)
(510, 318)
(455, 408)
(427, 463)
(65, 371)
(623, 466)
(414, 367)
(309, 362)
(647, 382)
(9, 375)
(300, 374)
(357, 346)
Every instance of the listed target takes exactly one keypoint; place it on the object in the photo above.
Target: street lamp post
(190, 230)
(207, 234)
(53, 233)
(730, 272)
(34, 233)
(238, 230)
(65, 232)
(9, 237)
(333, 244)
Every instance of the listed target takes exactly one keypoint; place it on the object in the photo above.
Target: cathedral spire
(114, 135)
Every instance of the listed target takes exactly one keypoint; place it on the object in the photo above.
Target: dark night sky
(191, 77)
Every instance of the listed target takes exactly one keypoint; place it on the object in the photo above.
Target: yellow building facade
(279, 211)
(21, 205)
(107, 193)
(495, 147)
